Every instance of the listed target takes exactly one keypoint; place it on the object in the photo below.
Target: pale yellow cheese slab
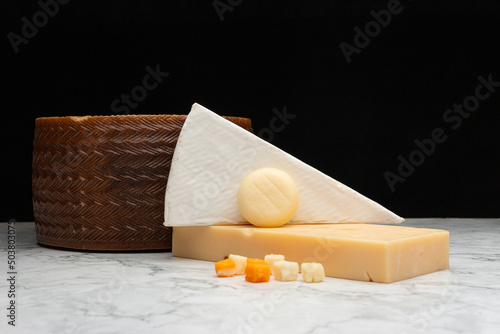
(365, 252)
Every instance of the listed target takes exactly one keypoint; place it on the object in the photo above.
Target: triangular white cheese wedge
(213, 156)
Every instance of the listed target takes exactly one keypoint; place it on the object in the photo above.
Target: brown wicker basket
(99, 181)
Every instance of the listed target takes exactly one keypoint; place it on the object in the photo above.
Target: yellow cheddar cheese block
(365, 252)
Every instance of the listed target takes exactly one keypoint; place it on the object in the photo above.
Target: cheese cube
(257, 271)
(225, 268)
(241, 263)
(312, 272)
(271, 258)
(285, 270)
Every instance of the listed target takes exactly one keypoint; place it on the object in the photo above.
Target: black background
(352, 120)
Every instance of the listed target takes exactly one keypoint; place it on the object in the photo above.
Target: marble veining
(62, 291)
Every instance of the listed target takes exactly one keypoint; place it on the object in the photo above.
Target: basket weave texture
(99, 181)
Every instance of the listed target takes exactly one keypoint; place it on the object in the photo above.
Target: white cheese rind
(213, 156)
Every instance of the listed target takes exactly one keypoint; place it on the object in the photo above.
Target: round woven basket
(99, 181)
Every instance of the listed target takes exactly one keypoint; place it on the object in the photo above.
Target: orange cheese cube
(257, 271)
(225, 268)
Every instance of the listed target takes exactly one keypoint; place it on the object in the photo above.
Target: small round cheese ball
(268, 197)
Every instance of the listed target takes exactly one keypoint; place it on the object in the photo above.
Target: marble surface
(61, 291)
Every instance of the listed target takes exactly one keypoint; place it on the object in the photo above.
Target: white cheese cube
(285, 270)
(312, 272)
(241, 263)
(271, 258)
